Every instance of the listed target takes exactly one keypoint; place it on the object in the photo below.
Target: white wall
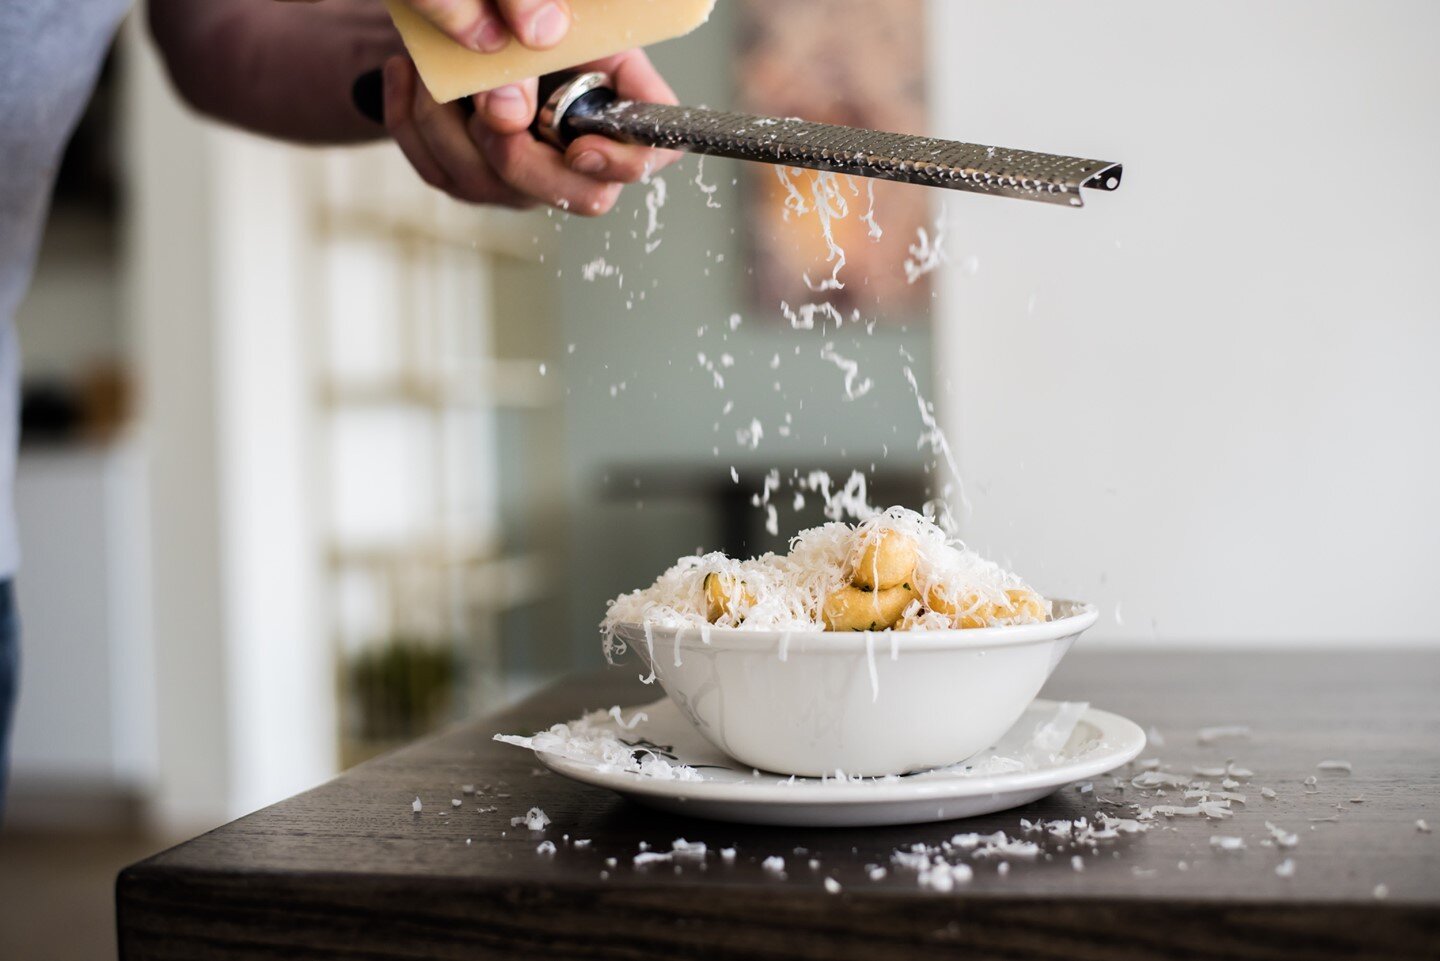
(1210, 400)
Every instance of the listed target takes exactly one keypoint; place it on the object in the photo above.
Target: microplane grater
(575, 105)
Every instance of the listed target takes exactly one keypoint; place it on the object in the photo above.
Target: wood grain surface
(348, 870)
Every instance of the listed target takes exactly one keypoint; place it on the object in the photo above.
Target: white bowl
(866, 703)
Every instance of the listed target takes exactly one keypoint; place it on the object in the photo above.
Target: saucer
(655, 757)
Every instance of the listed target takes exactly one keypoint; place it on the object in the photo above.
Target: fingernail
(491, 37)
(589, 162)
(507, 103)
(548, 26)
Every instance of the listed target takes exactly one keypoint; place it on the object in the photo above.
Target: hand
(486, 26)
(491, 157)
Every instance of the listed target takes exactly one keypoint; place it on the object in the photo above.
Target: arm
(277, 69)
(286, 70)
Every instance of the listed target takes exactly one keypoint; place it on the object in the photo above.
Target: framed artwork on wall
(805, 58)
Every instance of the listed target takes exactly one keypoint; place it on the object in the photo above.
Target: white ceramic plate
(1099, 742)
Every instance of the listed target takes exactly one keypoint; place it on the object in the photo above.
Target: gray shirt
(50, 54)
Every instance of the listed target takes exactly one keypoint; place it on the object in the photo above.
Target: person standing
(286, 70)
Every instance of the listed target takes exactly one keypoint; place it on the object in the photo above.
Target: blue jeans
(9, 675)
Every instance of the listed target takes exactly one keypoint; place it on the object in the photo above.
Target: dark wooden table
(349, 871)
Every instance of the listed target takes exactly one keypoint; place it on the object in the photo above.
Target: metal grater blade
(1023, 174)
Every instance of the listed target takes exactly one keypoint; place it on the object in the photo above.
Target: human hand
(486, 26)
(491, 156)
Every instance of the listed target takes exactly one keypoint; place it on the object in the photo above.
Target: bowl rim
(1080, 616)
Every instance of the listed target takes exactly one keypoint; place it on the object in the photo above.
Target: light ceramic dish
(1099, 742)
(866, 703)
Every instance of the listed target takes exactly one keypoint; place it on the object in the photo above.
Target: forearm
(284, 70)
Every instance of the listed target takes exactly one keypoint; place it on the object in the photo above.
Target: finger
(509, 109)
(539, 24)
(400, 84)
(442, 129)
(604, 159)
(472, 23)
(634, 78)
(538, 171)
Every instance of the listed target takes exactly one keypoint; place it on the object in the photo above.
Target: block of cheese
(598, 29)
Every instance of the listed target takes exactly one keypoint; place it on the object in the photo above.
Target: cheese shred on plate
(894, 571)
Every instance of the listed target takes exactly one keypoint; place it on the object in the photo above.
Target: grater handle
(564, 98)
(577, 104)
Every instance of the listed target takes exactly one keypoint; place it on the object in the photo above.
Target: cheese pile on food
(894, 571)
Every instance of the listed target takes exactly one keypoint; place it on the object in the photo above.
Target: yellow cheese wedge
(599, 28)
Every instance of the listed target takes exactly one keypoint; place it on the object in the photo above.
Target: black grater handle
(566, 97)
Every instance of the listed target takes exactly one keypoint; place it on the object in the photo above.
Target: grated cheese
(681, 848)
(1218, 810)
(589, 739)
(873, 229)
(709, 191)
(1149, 779)
(654, 201)
(1283, 838)
(534, 819)
(926, 253)
(855, 387)
(788, 592)
(827, 201)
(1209, 735)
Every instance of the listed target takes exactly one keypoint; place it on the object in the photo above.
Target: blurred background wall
(1207, 402)
(386, 457)
(381, 458)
